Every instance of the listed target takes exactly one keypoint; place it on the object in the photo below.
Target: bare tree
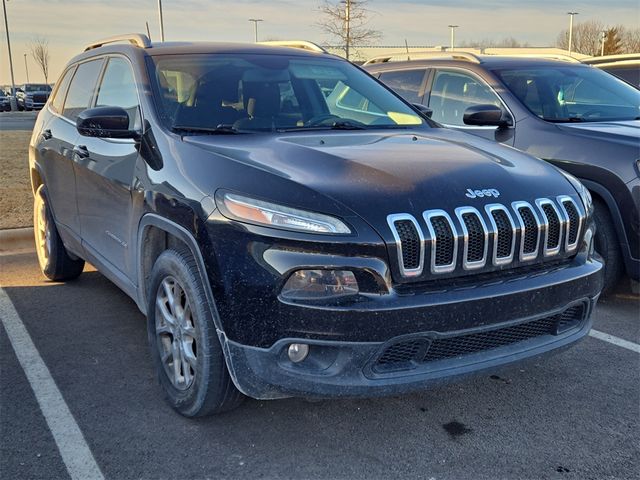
(508, 42)
(631, 40)
(40, 52)
(586, 38)
(347, 21)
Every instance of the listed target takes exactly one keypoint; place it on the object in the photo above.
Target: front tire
(606, 244)
(55, 262)
(184, 344)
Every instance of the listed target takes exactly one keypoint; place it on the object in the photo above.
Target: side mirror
(423, 109)
(487, 116)
(105, 122)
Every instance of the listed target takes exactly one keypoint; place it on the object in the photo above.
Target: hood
(625, 132)
(377, 174)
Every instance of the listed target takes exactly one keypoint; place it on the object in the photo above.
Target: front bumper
(339, 368)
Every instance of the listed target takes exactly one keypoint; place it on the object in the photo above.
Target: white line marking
(73, 448)
(634, 347)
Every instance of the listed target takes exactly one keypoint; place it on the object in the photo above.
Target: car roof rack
(137, 39)
(549, 56)
(401, 57)
(301, 44)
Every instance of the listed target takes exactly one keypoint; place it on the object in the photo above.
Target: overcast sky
(69, 24)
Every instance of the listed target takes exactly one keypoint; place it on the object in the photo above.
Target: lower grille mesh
(412, 353)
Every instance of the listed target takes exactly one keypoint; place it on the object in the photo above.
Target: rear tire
(55, 262)
(606, 244)
(184, 344)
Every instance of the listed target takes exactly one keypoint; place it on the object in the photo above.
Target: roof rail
(551, 56)
(302, 44)
(624, 57)
(137, 39)
(401, 57)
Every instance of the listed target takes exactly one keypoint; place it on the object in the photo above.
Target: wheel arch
(155, 235)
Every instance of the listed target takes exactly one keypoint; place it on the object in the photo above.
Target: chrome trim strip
(517, 205)
(391, 219)
(492, 207)
(466, 264)
(550, 252)
(428, 215)
(570, 247)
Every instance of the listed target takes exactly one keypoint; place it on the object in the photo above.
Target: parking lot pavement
(17, 120)
(571, 415)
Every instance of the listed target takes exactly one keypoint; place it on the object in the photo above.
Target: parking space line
(634, 347)
(73, 448)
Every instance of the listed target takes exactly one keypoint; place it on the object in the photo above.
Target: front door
(105, 174)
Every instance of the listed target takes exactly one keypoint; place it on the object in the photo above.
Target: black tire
(206, 389)
(55, 261)
(606, 244)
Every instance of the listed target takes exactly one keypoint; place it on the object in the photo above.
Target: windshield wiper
(565, 120)
(339, 125)
(219, 130)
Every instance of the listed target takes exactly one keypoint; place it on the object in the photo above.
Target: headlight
(251, 210)
(585, 195)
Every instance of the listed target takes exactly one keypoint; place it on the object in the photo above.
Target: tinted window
(570, 94)
(453, 92)
(628, 73)
(82, 88)
(406, 83)
(118, 89)
(61, 91)
(272, 92)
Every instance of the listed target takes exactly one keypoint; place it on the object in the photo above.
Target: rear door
(58, 137)
(452, 91)
(105, 173)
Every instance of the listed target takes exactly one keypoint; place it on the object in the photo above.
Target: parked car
(574, 116)
(626, 67)
(32, 96)
(5, 102)
(286, 242)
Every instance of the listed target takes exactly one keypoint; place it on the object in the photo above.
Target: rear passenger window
(82, 88)
(118, 89)
(406, 83)
(61, 91)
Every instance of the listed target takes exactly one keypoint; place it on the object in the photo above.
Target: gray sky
(69, 24)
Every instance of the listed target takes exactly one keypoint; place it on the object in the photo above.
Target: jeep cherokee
(291, 227)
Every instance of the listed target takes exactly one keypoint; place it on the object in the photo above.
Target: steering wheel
(320, 119)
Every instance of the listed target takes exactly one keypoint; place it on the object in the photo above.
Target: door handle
(46, 134)
(81, 151)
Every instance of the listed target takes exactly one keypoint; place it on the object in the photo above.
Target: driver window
(453, 92)
(118, 89)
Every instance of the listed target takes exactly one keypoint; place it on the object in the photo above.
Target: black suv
(32, 96)
(577, 117)
(291, 227)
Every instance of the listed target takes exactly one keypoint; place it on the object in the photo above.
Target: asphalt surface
(17, 120)
(574, 415)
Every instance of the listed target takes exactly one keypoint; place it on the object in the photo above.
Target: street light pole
(571, 15)
(604, 37)
(453, 35)
(161, 20)
(255, 27)
(14, 106)
(26, 67)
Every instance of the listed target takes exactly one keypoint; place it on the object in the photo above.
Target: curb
(16, 239)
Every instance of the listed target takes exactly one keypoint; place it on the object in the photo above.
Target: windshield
(37, 88)
(257, 93)
(573, 94)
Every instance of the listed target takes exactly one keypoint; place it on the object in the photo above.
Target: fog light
(320, 284)
(298, 352)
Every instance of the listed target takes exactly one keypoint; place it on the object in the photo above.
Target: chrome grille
(486, 238)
